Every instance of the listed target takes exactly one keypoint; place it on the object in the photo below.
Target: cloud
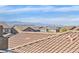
(2, 6)
(58, 20)
(28, 9)
(47, 9)
(68, 9)
(41, 8)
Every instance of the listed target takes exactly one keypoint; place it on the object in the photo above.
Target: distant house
(42, 29)
(36, 29)
(7, 29)
(53, 29)
(13, 30)
(77, 28)
(70, 27)
(30, 29)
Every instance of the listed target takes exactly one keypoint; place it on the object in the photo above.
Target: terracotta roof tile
(54, 44)
(26, 38)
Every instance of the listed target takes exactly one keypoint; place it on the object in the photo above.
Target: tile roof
(26, 38)
(30, 29)
(20, 27)
(17, 29)
(54, 44)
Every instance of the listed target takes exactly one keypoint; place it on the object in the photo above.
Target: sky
(46, 14)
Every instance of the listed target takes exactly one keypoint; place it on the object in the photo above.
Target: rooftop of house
(39, 43)
(20, 27)
(77, 28)
(73, 28)
(27, 37)
(23, 28)
(5, 25)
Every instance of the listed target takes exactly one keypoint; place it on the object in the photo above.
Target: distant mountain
(26, 23)
(12, 23)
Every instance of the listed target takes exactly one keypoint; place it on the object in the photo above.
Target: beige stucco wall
(3, 43)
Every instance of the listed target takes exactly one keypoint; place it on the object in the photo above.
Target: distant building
(69, 27)
(14, 31)
(36, 29)
(77, 28)
(20, 29)
(40, 29)
(53, 30)
(30, 29)
(56, 29)
(43, 29)
(7, 29)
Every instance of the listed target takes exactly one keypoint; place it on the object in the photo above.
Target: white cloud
(1, 6)
(75, 19)
(68, 9)
(28, 9)
(58, 20)
(47, 9)
(43, 9)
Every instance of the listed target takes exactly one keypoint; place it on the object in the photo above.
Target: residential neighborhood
(39, 29)
(36, 39)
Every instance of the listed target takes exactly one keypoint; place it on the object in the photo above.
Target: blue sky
(47, 14)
